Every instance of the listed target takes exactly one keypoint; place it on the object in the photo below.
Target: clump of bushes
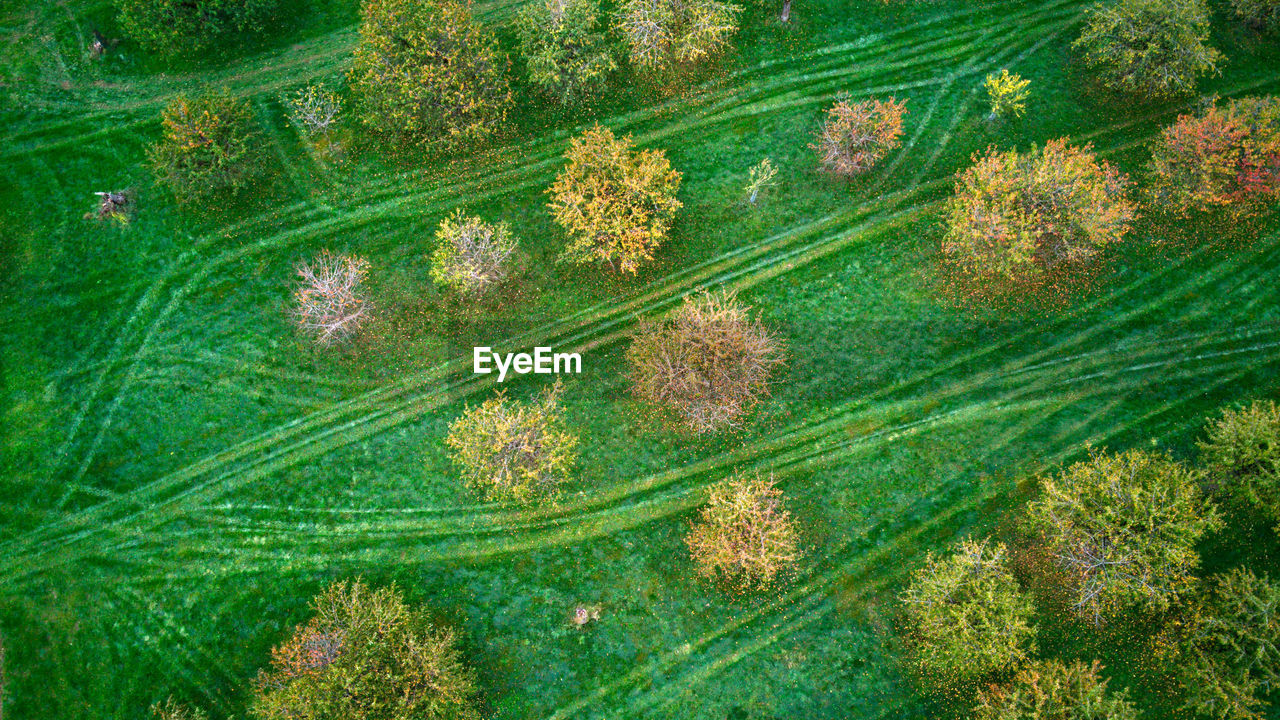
(1052, 690)
(314, 108)
(1016, 216)
(616, 203)
(208, 147)
(471, 255)
(1149, 48)
(330, 301)
(1124, 527)
(1007, 93)
(856, 136)
(1241, 454)
(514, 451)
(965, 615)
(171, 709)
(708, 364)
(565, 49)
(189, 27)
(1228, 649)
(744, 538)
(366, 654)
(663, 34)
(426, 72)
(1224, 158)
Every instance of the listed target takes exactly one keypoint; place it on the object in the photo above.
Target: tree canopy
(1149, 48)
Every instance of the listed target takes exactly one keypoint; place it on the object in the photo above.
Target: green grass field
(182, 472)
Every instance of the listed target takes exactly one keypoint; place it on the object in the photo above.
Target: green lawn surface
(182, 471)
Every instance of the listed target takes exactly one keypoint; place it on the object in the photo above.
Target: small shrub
(744, 539)
(1051, 690)
(1229, 647)
(761, 177)
(1259, 14)
(1225, 158)
(1125, 527)
(1241, 454)
(1008, 94)
(189, 27)
(171, 709)
(856, 136)
(471, 255)
(1149, 48)
(313, 108)
(667, 33)
(209, 146)
(427, 73)
(512, 450)
(565, 49)
(709, 363)
(365, 654)
(114, 206)
(1016, 216)
(615, 202)
(966, 616)
(331, 304)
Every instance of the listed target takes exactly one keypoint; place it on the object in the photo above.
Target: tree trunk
(786, 10)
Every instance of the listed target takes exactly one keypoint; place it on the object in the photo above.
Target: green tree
(1007, 93)
(616, 203)
(965, 615)
(668, 33)
(1124, 526)
(471, 255)
(366, 654)
(1051, 690)
(1149, 48)
(1241, 454)
(512, 450)
(1260, 14)
(1016, 216)
(189, 27)
(208, 147)
(708, 364)
(744, 538)
(1228, 648)
(171, 709)
(565, 49)
(1224, 158)
(426, 72)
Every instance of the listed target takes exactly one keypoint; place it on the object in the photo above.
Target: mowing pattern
(173, 559)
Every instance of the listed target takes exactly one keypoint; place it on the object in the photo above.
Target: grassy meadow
(181, 471)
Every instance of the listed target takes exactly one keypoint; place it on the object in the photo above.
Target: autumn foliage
(744, 539)
(616, 203)
(471, 255)
(856, 136)
(1224, 158)
(965, 615)
(365, 654)
(514, 451)
(1016, 216)
(426, 72)
(708, 364)
(566, 52)
(208, 146)
(330, 301)
(1053, 690)
(1149, 48)
(1124, 527)
(668, 33)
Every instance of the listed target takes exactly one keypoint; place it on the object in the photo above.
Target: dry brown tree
(709, 363)
(856, 136)
(744, 538)
(331, 305)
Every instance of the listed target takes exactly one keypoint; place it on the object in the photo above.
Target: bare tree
(314, 108)
(472, 254)
(331, 304)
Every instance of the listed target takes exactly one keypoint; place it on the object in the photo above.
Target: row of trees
(1017, 216)
(1120, 531)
